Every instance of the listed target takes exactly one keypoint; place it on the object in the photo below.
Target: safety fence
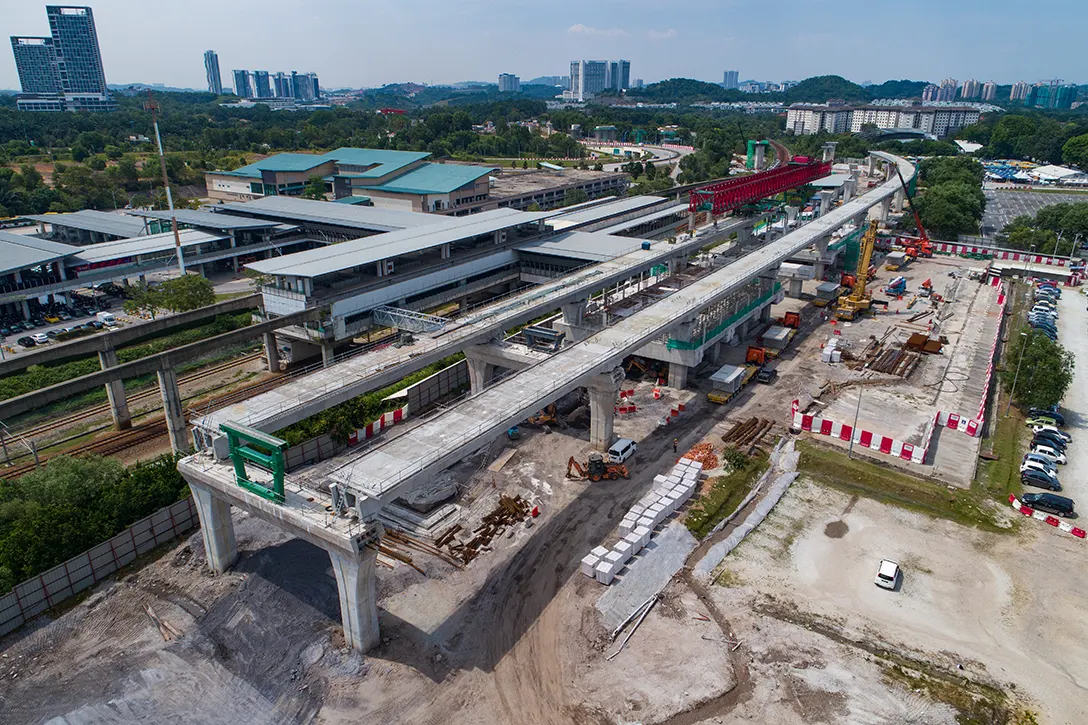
(862, 438)
(50, 588)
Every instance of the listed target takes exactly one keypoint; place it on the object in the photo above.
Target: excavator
(924, 248)
(596, 468)
(860, 300)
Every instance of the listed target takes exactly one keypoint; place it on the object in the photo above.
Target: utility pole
(854, 431)
(153, 107)
(1016, 375)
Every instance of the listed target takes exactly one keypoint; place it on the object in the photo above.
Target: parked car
(887, 574)
(766, 375)
(95, 324)
(1049, 502)
(1049, 453)
(1045, 439)
(1046, 420)
(26, 342)
(1031, 464)
(40, 338)
(1040, 479)
(5, 331)
(1049, 413)
(621, 450)
(1045, 426)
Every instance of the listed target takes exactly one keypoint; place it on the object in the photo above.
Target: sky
(367, 43)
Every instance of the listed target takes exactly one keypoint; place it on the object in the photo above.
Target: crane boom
(917, 219)
(865, 256)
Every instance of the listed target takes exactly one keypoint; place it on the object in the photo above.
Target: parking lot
(80, 312)
(1004, 206)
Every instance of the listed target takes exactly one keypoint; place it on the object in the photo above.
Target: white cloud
(580, 29)
(662, 34)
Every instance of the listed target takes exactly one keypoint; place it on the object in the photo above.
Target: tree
(952, 208)
(184, 293)
(525, 164)
(32, 180)
(1046, 370)
(574, 196)
(533, 207)
(315, 189)
(942, 170)
(143, 300)
(596, 167)
(1075, 151)
(650, 170)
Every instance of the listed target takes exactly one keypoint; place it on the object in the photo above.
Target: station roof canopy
(294, 210)
(19, 251)
(376, 162)
(208, 219)
(600, 212)
(434, 179)
(585, 246)
(148, 244)
(117, 225)
(671, 210)
(358, 252)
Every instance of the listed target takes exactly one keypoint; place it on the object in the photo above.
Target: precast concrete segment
(322, 389)
(381, 474)
(149, 364)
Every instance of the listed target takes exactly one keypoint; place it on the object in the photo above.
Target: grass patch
(724, 496)
(861, 478)
(1001, 477)
(224, 296)
(728, 578)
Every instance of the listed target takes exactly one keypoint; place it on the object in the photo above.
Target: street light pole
(854, 430)
(1016, 375)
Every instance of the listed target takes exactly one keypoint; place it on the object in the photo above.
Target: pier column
(678, 374)
(216, 527)
(175, 414)
(602, 407)
(328, 352)
(358, 603)
(479, 373)
(115, 391)
(271, 352)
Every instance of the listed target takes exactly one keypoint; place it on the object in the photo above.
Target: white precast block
(589, 565)
(615, 560)
(646, 522)
(660, 480)
(623, 548)
(627, 526)
(675, 478)
(643, 534)
(635, 540)
(599, 552)
(657, 512)
(604, 573)
(671, 503)
(695, 465)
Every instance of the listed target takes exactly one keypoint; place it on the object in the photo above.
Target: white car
(1051, 453)
(40, 338)
(1031, 464)
(887, 574)
(1053, 431)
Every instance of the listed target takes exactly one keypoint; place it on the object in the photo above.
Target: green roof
(352, 200)
(434, 179)
(280, 162)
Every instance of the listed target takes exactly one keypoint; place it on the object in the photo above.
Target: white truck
(107, 319)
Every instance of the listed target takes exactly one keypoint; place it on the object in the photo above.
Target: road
(1071, 326)
(661, 156)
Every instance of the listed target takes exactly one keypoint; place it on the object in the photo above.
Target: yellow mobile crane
(859, 300)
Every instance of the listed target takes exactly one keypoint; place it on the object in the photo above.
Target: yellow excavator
(860, 301)
(596, 468)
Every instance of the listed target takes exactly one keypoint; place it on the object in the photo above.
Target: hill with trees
(817, 89)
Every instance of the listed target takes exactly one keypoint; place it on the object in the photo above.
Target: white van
(621, 450)
(107, 319)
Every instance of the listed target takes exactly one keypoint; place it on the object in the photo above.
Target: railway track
(104, 408)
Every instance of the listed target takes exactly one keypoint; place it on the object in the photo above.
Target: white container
(604, 573)
(589, 565)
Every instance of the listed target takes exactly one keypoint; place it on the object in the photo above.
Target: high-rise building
(639, 83)
(1038, 96)
(243, 87)
(989, 90)
(1065, 96)
(929, 93)
(211, 70)
(619, 75)
(949, 86)
(36, 61)
(509, 83)
(261, 87)
(1019, 91)
(63, 71)
(970, 89)
(731, 81)
(281, 85)
(315, 85)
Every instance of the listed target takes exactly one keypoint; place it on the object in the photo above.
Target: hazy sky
(371, 42)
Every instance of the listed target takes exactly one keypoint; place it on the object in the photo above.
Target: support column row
(115, 391)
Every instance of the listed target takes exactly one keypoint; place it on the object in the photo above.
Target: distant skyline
(154, 41)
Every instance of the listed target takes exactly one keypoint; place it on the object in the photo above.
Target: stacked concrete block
(591, 560)
(605, 573)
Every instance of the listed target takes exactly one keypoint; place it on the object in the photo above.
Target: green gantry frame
(242, 438)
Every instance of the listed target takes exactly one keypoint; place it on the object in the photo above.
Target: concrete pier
(271, 352)
(358, 601)
(327, 353)
(175, 414)
(678, 376)
(825, 202)
(480, 373)
(602, 407)
(216, 527)
(115, 391)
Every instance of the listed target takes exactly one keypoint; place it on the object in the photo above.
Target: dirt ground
(793, 631)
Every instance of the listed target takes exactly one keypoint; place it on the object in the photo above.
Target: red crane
(925, 247)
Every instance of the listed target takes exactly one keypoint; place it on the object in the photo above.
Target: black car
(766, 376)
(1050, 439)
(1049, 502)
(26, 341)
(1047, 412)
(1038, 479)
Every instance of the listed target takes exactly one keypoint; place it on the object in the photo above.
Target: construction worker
(675, 443)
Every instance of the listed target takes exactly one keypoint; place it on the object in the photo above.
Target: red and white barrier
(864, 438)
(387, 419)
(1052, 520)
(973, 426)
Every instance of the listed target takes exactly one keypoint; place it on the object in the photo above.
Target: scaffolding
(407, 320)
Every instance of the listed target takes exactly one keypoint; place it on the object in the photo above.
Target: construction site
(628, 533)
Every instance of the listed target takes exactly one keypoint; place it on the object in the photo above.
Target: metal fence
(45, 591)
